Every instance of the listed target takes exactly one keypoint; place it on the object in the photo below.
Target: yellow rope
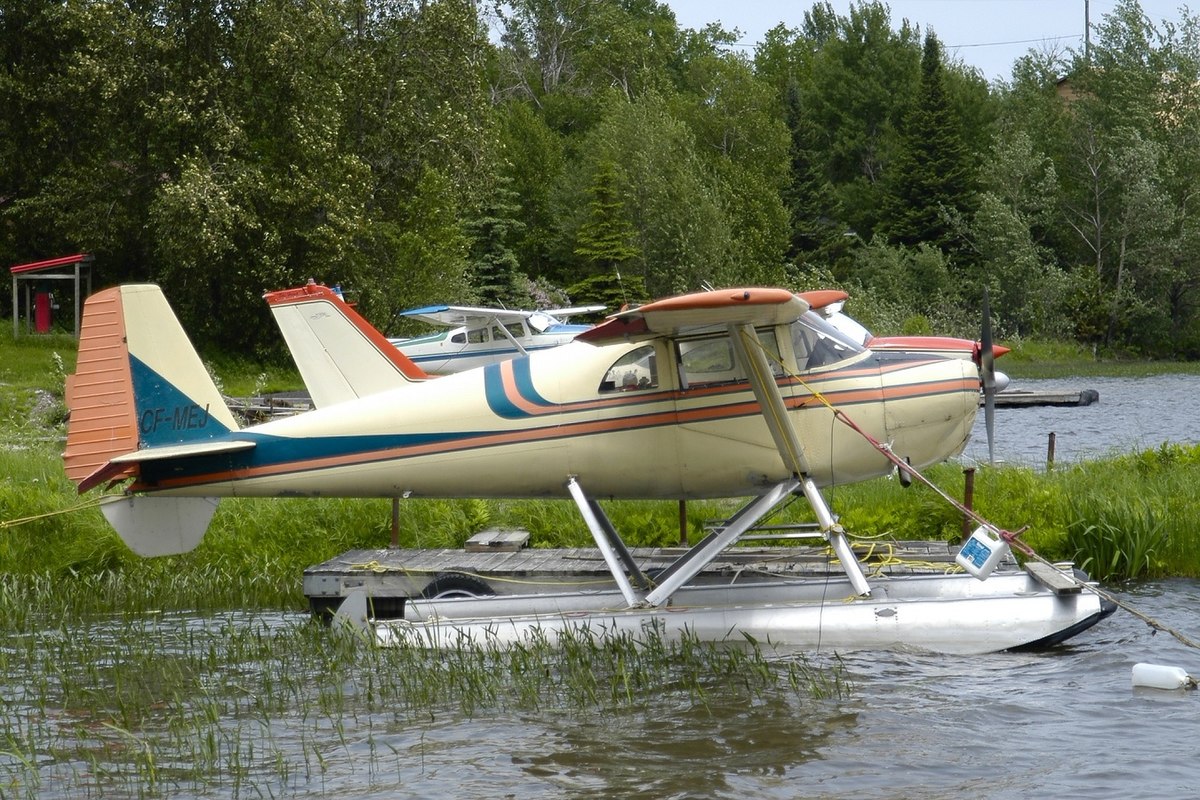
(12, 523)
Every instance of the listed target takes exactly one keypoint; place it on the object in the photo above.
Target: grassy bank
(1050, 359)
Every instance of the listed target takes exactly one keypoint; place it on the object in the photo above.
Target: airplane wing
(563, 313)
(821, 299)
(451, 316)
(688, 312)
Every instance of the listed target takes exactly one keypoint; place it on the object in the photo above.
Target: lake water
(267, 724)
(1132, 414)
(1007, 726)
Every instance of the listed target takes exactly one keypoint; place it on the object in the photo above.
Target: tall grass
(104, 698)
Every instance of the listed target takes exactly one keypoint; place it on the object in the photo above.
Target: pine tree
(493, 262)
(931, 177)
(811, 203)
(606, 239)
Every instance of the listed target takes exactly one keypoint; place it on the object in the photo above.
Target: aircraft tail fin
(139, 386)
(340, 355)
(140, 394)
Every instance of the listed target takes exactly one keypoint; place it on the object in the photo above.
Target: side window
(712, 360)
(477, 335)
(633, 371)
(771, 347)
(707, 361)
(459, 338)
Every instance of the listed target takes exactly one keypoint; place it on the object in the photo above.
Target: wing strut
(497, 325)
(620, 562)
(766, 390)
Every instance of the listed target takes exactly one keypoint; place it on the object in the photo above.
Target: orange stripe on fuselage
(554, 432)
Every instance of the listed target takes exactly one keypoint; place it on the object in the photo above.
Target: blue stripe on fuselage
(271, 451)
(525, 383)
(497, 399)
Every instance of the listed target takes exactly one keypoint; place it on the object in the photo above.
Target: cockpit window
(634, 371)
(515, 329)
(711, 359)
(818, 344)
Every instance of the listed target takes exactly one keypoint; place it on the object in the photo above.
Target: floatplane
(717, 394)
(474, 336)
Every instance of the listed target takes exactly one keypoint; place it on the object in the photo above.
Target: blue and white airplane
(478, 336)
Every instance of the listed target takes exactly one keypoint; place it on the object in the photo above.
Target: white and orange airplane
(727, 393)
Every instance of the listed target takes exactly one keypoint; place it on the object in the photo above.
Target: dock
(1016, 398)
(389, 576)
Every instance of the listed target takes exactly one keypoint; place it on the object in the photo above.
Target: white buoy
(1158, 676)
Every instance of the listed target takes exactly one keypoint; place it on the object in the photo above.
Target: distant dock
(1022, 399)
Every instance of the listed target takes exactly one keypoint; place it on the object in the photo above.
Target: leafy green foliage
(227, 149)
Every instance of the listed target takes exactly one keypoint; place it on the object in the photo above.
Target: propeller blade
(987, 370)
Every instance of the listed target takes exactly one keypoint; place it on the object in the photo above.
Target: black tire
(447, 585)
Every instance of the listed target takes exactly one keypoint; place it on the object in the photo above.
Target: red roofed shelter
(37, 305)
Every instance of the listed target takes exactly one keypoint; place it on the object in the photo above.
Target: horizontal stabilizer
(182, 451)
(160, 526)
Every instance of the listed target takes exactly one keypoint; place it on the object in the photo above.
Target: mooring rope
(12, 523)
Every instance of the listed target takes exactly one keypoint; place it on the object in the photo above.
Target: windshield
(817, 343)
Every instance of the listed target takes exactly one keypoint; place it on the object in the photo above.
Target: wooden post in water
(968, 500)
(1050, 451)
(395, 522)
(683, 529)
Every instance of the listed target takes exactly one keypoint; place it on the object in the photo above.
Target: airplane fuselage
(465, 348)
(658, 418)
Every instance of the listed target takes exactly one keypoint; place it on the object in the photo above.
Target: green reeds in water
(103, 694)
(1118, 540)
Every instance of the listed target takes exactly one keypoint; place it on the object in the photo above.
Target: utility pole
(1087, 32)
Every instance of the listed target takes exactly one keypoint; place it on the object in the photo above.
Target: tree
(1018, 203)
(606, 239)
(682, 231)
(863, 76)
(813, 208)
(931, 178)
(532, 161)
(497, 274)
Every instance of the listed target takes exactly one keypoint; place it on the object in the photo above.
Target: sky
(988, 34)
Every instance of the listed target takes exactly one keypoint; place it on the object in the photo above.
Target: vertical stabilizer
(339, 354)
(138, 385)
